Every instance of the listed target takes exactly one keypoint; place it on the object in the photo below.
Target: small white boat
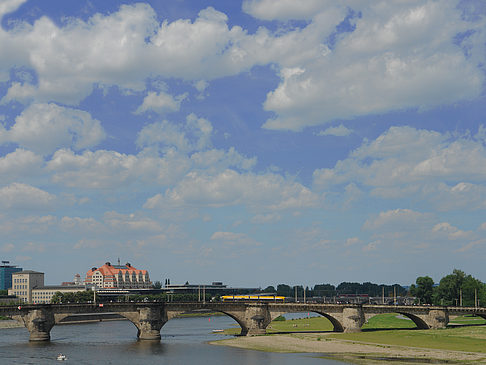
(216, 331)
(61, 357)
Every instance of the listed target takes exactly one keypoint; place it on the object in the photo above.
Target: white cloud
(352, 241)
(19, 92)
(7, 247)
(194, 135)
(109, 169)
(22, 196)
(229, 188)
(394, 55)
(406, 162)
(130, 222)
(43, 128)
(161, 103)
(284, 9)
(234, 239)
(266, 218)
(339, 131)
(396, 218)
(399, 55)
(19, 164)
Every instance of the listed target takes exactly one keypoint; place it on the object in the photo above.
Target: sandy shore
(352, 351)
(10, 324)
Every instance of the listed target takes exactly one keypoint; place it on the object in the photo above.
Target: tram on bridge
(252, 298)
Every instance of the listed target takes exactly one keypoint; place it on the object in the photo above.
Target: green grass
(299, 325)
(471, 339)
(388, 320)
(468, 319)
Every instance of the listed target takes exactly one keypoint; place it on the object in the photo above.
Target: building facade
(23, 282)
(28, 286)
(44, 294)
(118, 276)
(6, 272)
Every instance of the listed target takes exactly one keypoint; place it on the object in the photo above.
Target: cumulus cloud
(109, 169)
(194, 135)
(405, 162)
(351, 58)
(161, 103)
(284, 9)
(391, 57)
(22, 196)
(43, 128)
(414, 231)
(234, 239)
(269, 191)
(19, 164)
(339, 131)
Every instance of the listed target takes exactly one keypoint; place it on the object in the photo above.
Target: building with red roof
(118, 276)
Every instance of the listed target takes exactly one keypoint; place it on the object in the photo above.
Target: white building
(29, 287)
(118, 276)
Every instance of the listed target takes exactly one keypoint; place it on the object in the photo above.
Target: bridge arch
(336, 323)
(241, 322)
(419, 322)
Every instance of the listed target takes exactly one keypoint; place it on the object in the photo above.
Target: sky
(253, 142)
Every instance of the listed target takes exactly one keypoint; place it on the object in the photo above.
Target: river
(184, 341)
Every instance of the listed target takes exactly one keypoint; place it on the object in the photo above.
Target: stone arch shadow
(337, 325)
(419, 322)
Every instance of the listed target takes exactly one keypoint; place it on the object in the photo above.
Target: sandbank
(351, 351)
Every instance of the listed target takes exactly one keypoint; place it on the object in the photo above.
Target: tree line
(455, 289)
(329, 290)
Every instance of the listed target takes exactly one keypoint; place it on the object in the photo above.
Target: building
(23, 282)
(28, 286)
(118, 276)
(6, 272)
(44, 294)
(215, 288)
(77, 281)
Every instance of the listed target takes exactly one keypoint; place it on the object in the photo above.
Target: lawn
(471, 339)
(393, 333)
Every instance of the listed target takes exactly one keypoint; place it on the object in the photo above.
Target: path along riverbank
(352, 351)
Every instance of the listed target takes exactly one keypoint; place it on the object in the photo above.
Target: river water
(184, 341)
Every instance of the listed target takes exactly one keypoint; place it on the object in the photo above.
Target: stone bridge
(253, 317)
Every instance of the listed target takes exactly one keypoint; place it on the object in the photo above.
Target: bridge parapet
(252, 317)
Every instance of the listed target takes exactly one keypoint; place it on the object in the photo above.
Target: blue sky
(255, 142)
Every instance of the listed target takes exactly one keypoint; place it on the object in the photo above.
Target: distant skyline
(253, 142)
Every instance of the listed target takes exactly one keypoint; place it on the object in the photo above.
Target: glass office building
(6, 272)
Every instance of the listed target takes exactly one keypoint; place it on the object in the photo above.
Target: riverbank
(10, 323)
(351, 350)
(389, 337)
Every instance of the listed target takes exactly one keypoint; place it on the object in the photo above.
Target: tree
(269, 289)
(324, 290)
(423, 289)
(284, 290)
(450, 287)
(157, 285)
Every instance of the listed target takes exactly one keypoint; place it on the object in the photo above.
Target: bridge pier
(353, 319)
(150, 321)
(437, 319)
(39, 322)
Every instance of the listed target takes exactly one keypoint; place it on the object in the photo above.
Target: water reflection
(184, 341)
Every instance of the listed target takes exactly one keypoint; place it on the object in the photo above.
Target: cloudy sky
(253, 142)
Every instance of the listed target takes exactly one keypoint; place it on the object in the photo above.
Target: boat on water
(61, 357)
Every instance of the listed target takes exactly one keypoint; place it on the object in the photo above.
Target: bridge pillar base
(39, 322)
(257, 318)
(149, 323)
(353, 319)
(437, 319)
